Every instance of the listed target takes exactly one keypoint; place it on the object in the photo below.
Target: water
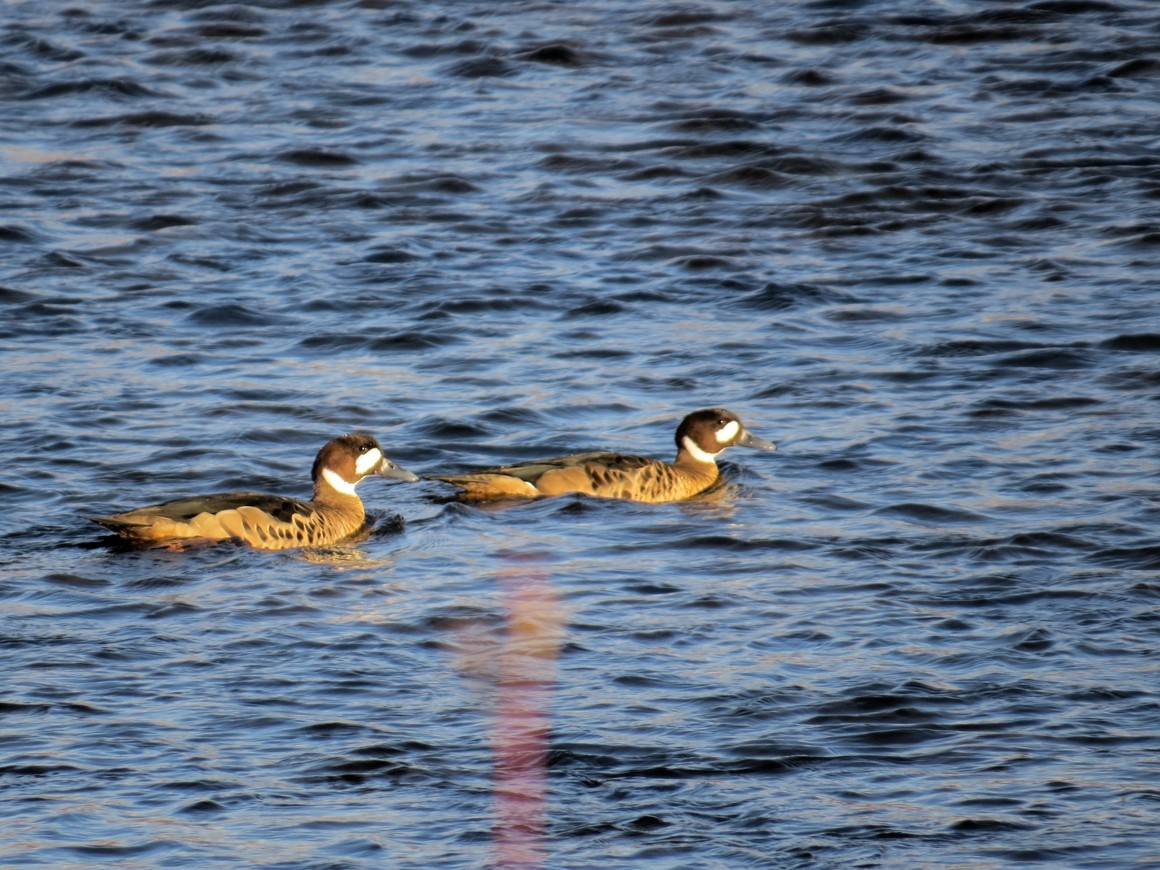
(914, 244)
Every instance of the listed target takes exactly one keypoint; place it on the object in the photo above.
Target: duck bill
(755, 441)
(389, 469)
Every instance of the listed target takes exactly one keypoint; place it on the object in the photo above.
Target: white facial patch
(367, 463)
(728, 432)
(696, 452)
(335, 480)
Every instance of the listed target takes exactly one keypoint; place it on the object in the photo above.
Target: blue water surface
(915, 244)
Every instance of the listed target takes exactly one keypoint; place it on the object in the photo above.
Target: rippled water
(915, 244)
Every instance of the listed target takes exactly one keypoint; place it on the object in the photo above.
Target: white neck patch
(336, 482)
(696, 452)
(728, 432)
(366, 463)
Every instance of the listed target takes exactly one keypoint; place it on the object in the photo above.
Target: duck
(701, 437)
(269, 522)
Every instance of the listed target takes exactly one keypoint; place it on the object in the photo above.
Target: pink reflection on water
(527, 668)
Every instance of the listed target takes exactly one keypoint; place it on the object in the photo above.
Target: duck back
(266, 522)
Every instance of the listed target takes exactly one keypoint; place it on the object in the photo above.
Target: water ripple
(914, 247)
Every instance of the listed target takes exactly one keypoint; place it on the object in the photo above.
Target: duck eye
(364, 449)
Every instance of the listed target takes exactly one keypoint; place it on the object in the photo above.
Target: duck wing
(532, 471)
(183, 510)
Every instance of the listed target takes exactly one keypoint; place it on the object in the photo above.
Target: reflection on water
(914, 247)
(520, 732)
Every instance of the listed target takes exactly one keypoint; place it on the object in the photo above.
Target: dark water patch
(1075, 7)
(11, 296)
(703, 262)
(435, 182)
(1035, 640)
(991, 205)
(156, 118)
(832, 33)
(443, 429)
(41, 49)
(1143, 558)
(929, 513)
(231, 30)
(722, 542)
(987, 826)
(595, 353)
(1132, 379)
(1146, 239)
(411, 340)
(803, 164)
(574, 163)
(652, 588)
(897, 133)
(8, 708)
(35, 770)
(705, 193)
(581, 216)
(514, 416)
(1140, 66)
(233, 316)
(835, 502)
(390, 255)
(193, 57)
(717, 120)
(751, 176)
(809, 77)
(973, 32)
(317, 158)
(685, 17)
(1049, 540)
(358, 771)
(879, 97)
(1001, 407)
(76, 582)
(1139, 342)
(76, 170)
(555, 54)
(1060, 358)
(422, 49)
(98, 87)
(286, 189)
(181, 360)
(205, 806)
(863, 315)
(595, 308)
(489, 300)
(157, 222)
(17, 234)
(1036, 544)
(736, 149)
(482, 68)
(151, 848)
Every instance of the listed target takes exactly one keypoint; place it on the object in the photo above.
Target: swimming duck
(701, 436)
(269, 522)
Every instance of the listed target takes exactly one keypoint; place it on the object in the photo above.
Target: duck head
(704, 434)
(346, 460)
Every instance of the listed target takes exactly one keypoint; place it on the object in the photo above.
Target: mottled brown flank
(612, 476)
(262, 521)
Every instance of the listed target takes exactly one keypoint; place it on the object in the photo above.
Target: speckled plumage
(269, 522)
(701, 436)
